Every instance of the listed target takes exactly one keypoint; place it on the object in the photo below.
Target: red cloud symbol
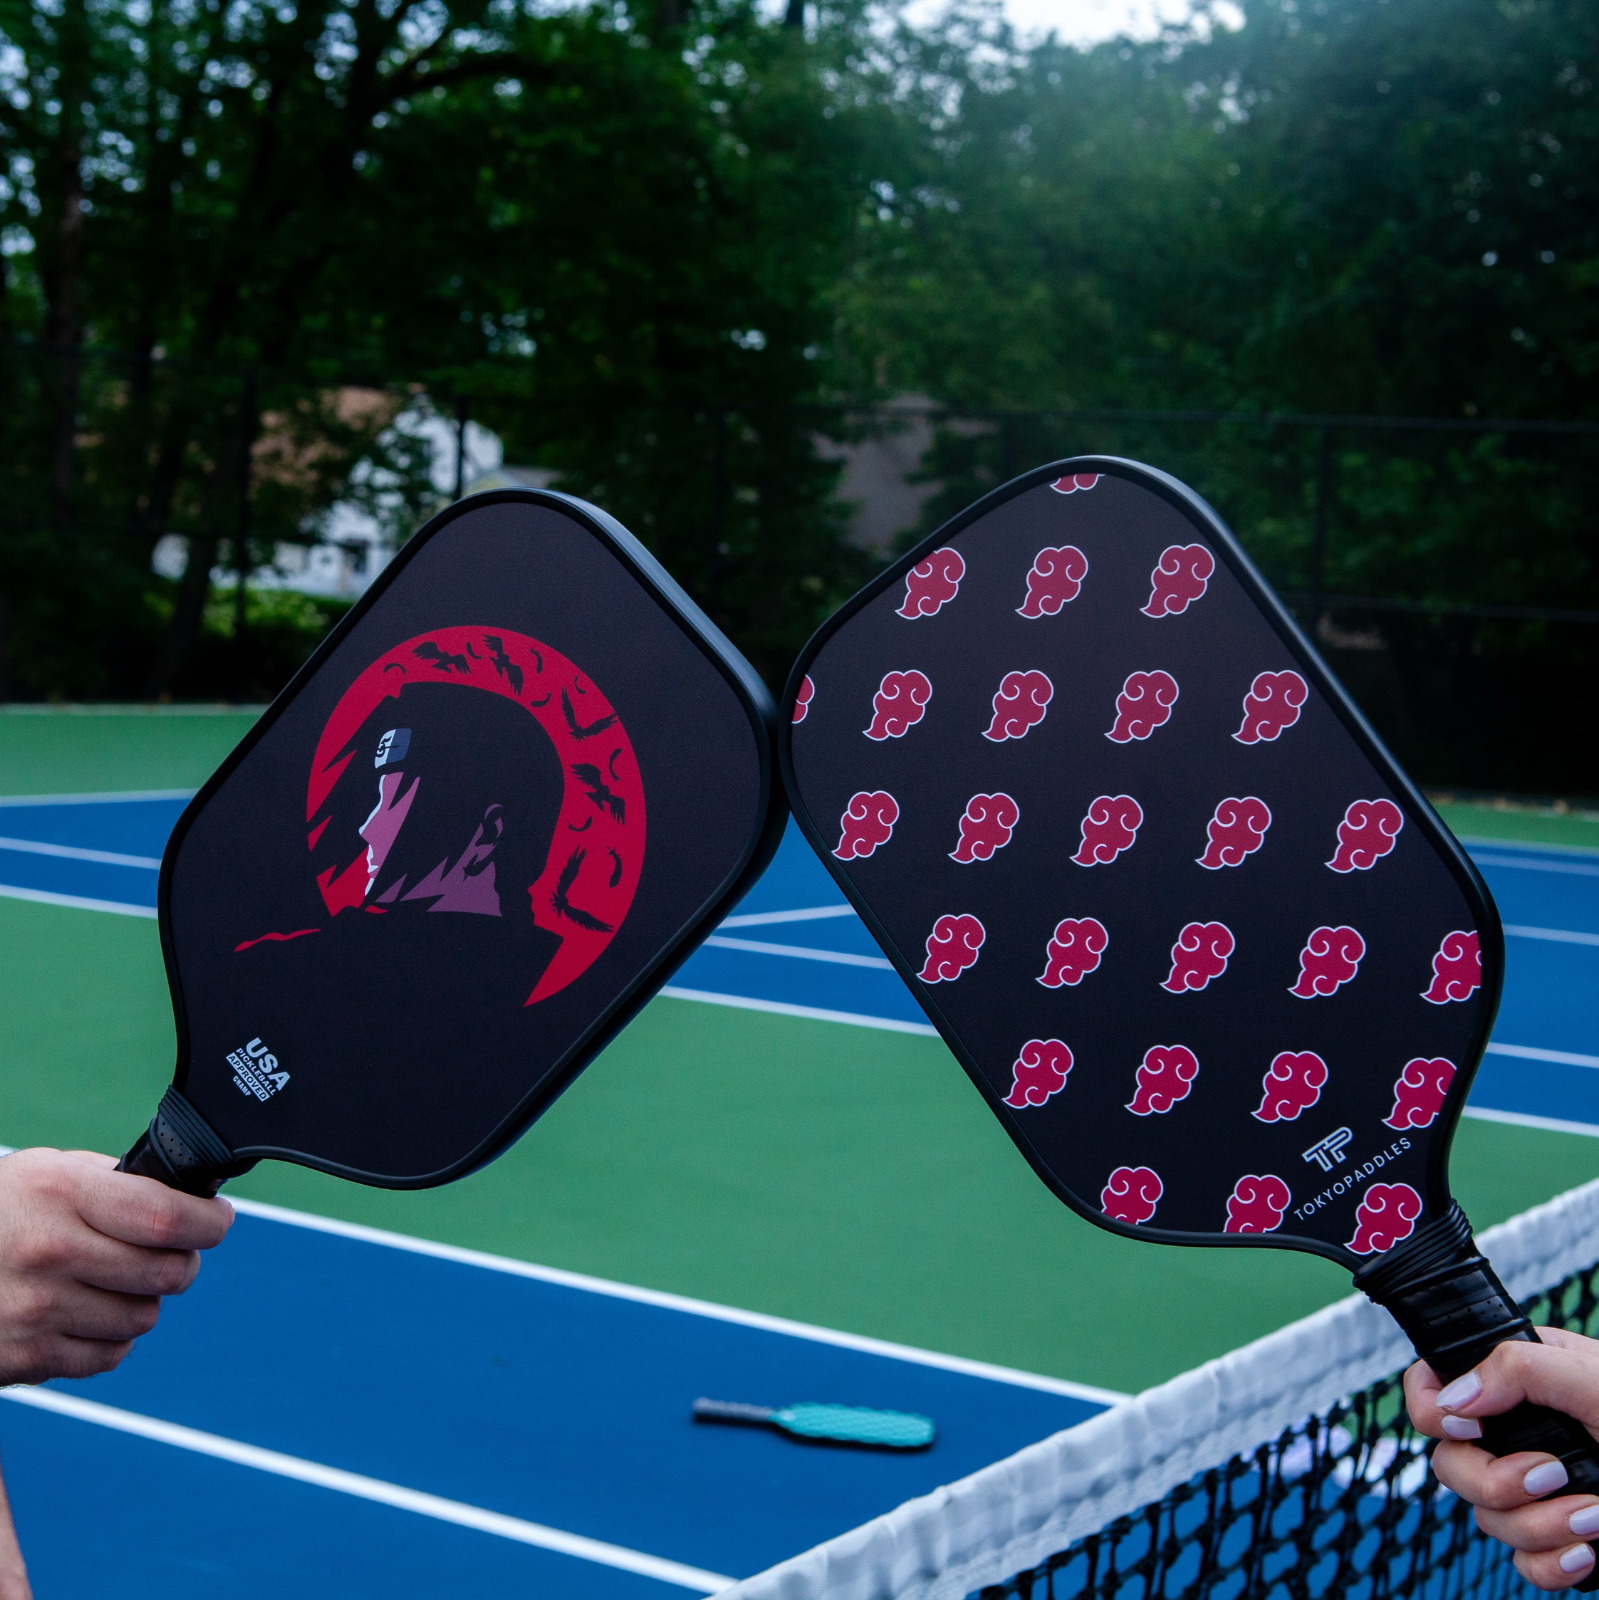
(1074, 951)
(868, 821)
(1236, 831)
(932, 583)
(1257, 1203)
(1020, 704)
(1165, 1076)
(1331, 957)
(1293, 1083)
(952, 947)
(1419, 1092)
(986, 827)
(1131, 1195)
(1040, 1071)
(899, 704)
(1456, 969)
(1056, 577)
(1075, 481)
(1179, 579)
(1143, 705)
(802, 701)
(1199, 955)
(1387, 1214)
(1366, 835)
(1273, 703)
(1110, 826)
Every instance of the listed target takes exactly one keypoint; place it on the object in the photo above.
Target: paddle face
(465, 844)
(886, 1430)
(1215, 964)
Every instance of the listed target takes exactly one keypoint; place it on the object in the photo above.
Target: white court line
(1554, 935)
(1574, 868)
(801, 952)
(756, 919)
(675, 1302)
(78, 902)
(72, 852)
(781, 1008)
(1563, 1058)
(108, 798)
(1519, 1119)
(1577, 851)
(364, 1488)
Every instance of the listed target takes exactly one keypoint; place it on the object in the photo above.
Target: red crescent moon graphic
(582, 726)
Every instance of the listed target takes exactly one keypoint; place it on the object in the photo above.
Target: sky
(1084, 21)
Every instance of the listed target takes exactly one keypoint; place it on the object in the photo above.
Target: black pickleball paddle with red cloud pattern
(1211, 958)
(481, 827)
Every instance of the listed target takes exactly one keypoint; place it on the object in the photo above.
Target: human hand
(1549, 1536)
(86, 1253)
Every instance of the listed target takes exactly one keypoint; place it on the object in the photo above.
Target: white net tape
(1013, 1515)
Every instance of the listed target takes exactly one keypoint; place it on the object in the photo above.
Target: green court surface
(813, 1170)
(94, 749)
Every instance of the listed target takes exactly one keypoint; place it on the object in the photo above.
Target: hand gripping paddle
(472, 837)
(1210, 957)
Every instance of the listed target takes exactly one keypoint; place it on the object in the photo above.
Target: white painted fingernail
(1577, 1559)
(1459, 1393)
(1546, 1477)
(1462, 1428)
(1585, 1521)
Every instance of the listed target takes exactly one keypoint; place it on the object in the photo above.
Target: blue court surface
(395, 1416)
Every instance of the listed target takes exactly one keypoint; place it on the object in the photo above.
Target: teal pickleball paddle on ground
(827, 1424)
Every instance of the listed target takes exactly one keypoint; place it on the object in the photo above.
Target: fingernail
(1577, 1559)
(1462, 1428)
(1546, 1477)
(1585, 1521)
(1459, 1393)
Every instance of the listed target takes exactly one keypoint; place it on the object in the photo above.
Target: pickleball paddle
(476, 832)
(1212, 960)
(826, 1424)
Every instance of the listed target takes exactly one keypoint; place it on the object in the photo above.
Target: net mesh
(1341, 1504)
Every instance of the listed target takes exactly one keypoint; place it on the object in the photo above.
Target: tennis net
(1282, 1471)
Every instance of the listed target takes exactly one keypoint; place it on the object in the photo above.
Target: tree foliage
(658, 246)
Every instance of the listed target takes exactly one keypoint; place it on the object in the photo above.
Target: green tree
(612, 233)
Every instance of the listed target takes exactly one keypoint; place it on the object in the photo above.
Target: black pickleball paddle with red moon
(481, 827)
(1212, 960)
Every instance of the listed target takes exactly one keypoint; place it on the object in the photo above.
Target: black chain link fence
(1447, 567)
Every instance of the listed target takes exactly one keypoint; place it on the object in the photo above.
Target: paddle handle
(1441, 1290)
(182, 1150)
(732, 1411)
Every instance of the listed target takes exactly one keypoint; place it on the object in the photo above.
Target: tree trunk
(62, 279)
(188, 614)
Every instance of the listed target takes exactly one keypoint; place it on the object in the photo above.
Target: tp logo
(1326, 1151)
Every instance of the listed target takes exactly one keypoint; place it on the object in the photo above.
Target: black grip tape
(182, 1150)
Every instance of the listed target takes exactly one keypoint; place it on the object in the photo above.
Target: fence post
(460, 445)
(1318, 553)
(719, 480)
(241, 535)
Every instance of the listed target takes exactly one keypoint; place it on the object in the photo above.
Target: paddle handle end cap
(1448, 1299)
(182, 1150)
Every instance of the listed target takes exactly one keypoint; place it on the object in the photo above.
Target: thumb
(1561, 1377)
